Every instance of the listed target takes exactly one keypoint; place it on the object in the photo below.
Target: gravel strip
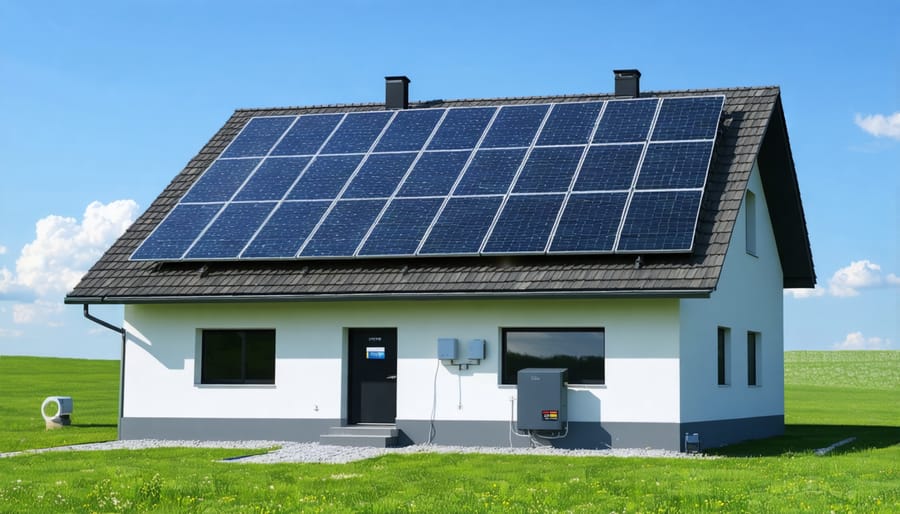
(320, 453)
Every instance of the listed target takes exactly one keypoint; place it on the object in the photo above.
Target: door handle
(391, 377)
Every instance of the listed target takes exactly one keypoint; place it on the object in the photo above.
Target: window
(752, 358)
(581, 350)
(750, 226)
(722, 355)
(238, 357)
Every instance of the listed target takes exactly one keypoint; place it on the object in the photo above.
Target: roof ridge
(440, 101)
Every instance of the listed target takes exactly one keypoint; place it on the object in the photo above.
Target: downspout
(120, 330)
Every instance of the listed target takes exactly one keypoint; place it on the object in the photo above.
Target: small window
(723, 354)
(581, 350)
(238, 357)
(750, 227)
(753, 358)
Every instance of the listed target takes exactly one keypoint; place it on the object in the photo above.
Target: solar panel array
(616, 176)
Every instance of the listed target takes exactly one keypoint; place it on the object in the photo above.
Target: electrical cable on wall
(431, 430)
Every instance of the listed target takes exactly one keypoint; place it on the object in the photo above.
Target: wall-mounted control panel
(463, 355)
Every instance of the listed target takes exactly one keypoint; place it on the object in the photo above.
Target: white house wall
(748, 298)
(161, 375)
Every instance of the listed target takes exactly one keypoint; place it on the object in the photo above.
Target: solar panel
(616, 176)
(609, 168)
(434, 174)
(660, 221)
(325, 177)
(687, 118)
(231, 231)
(307, 135)
(402, 226)
(379, 175)
(524, 224)
(221, 181)
(549, 170)
(462, 225)
(285, 231)
(343, 228)
(462, 128)
(357, 132)
(175, 234)
(570, 124)
(272, 180)
(675, 165)
(258, 136)
(589, 223)
(626, 121)
(491, 172)
(409, 130)
(516, 125)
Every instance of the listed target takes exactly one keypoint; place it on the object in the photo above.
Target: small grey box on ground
(543, 402)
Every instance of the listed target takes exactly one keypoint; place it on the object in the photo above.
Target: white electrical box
(447, 348)
(475, 350)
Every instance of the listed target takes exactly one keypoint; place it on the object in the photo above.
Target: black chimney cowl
(396, 92)
(628, 83)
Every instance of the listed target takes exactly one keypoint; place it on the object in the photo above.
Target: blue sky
(105, 102)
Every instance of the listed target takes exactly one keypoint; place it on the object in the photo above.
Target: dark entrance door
(373, 375)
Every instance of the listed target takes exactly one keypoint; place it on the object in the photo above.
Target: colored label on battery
(550, 415)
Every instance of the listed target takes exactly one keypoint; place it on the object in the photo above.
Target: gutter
(121, 331)
(663, 293)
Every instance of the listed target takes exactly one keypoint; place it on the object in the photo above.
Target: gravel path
(315, 452)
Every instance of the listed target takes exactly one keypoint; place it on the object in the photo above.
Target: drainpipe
(120, 330)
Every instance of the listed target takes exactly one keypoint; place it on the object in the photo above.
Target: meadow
(829, 396)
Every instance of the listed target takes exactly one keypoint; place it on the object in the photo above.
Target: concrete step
(373, 436)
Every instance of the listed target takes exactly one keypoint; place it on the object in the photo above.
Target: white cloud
(2, 250)
(858, 275)
(849, 280)
(64, 248)
(41, 311)
(856, 341)
(10, 333)
(880, 125)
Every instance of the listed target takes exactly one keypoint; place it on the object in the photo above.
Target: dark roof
(753, 128)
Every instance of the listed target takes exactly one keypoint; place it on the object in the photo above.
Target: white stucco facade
(748, 299)
(162, 364)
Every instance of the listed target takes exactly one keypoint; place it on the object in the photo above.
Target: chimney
(396, 92)
(628, 83)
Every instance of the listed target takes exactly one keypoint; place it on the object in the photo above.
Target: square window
(237, 357)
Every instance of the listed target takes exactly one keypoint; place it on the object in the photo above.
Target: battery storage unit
(543, 403)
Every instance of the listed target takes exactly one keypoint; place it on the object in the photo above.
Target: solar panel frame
(454, 135)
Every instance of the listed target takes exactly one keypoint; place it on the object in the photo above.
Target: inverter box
(543, 403)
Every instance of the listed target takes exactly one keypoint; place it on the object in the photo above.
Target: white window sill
(234, 386)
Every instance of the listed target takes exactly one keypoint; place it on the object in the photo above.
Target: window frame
(753, 358)
(723, 356)
(505, 331)
(750, 223)
(203, 376)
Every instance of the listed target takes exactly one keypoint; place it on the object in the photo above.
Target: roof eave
(782, 190)
(467, 295)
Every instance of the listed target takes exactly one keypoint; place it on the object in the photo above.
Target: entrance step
(373, 436)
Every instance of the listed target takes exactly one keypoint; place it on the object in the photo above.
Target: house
(314, 273)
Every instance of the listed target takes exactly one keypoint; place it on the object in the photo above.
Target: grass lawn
(776, 475)
(26, 381)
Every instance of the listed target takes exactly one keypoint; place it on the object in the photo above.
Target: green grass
(777, 475)
(836, 388)
(26, 381)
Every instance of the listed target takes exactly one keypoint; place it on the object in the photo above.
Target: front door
(373, 375)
